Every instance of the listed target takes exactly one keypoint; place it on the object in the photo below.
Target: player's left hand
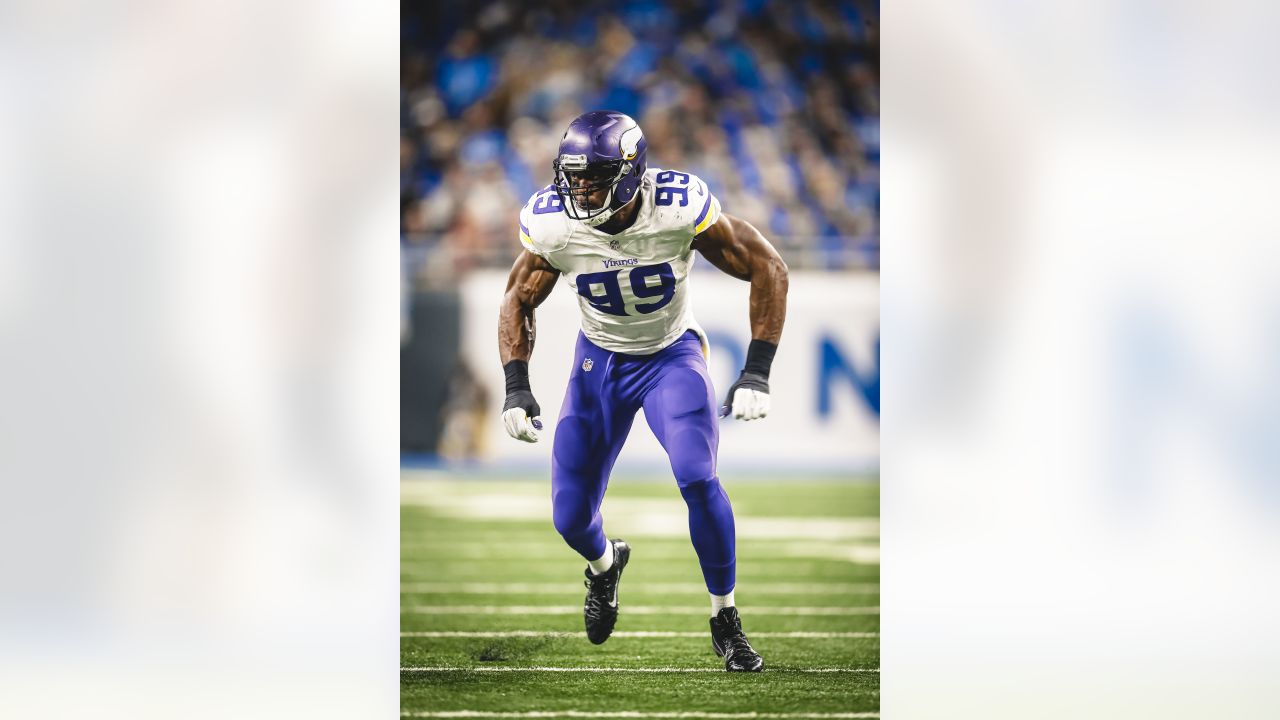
(748, 398)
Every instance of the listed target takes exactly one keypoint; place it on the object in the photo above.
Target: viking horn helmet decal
(629, 143)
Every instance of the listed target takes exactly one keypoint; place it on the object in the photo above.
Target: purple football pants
(605, 391)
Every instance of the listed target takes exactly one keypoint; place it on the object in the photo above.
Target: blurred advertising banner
(825, 383)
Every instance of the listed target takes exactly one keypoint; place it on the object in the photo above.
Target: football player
(622, 236)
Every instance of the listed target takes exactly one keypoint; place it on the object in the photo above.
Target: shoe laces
(736, 641)
(734, 638)
(599, 589)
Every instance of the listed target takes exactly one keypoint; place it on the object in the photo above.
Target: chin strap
(604, 215)
(601, 217)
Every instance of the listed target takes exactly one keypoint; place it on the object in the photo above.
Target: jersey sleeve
(526, 236)
(708, 207)
(542, 233)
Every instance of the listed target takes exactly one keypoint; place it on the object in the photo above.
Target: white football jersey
(633, 287)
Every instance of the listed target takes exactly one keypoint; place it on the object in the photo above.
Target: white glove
(748, 398)
(520, 426)
(750, 404)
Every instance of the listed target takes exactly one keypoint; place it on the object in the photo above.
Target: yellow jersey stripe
(710, 219)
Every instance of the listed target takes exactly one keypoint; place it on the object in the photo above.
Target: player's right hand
(521, 416)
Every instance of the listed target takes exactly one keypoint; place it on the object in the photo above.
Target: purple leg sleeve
(681, 411)
(588, 437)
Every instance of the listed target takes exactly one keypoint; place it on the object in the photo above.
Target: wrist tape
(517, 372)
(760, 357)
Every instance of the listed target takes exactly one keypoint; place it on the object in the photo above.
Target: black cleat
(730, 643)
(600, 610)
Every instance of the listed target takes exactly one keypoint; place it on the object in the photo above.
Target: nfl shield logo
(615, 246)
(586, 364)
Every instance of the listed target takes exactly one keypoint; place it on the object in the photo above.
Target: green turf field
(491, 603)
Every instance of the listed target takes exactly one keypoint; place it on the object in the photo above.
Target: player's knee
(684, 392)
(692, 455)
(700, 491)
(571, 513)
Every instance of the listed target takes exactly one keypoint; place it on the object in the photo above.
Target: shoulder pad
(692, 202)
(543, 225)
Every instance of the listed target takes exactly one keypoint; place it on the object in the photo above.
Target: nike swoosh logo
(614, 602)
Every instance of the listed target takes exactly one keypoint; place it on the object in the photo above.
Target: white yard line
(445, 550)
(627, 609)
(465, 588)
(621, 634)
(504, 668)
(638, 517)
(859, 554)
(852, 554)
(641, 715)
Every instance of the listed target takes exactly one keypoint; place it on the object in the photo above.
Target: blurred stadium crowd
(774, 104)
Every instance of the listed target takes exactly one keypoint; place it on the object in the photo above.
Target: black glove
(524, 400)
(749, 381)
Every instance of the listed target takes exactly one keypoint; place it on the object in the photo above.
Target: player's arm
(531, 280)
(737, 248)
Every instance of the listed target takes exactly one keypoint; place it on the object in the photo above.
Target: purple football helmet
(601, 149)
